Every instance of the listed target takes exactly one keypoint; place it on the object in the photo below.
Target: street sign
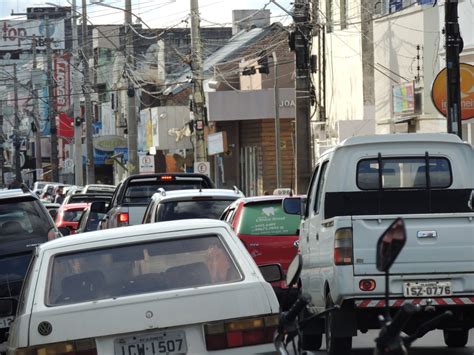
(203, 168)
(68, 165)
(439, 91)
(146, 164)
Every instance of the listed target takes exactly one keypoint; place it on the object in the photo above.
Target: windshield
(23, 219)
(12, 273)
(174, 210)
(140, 268)
(267, 219)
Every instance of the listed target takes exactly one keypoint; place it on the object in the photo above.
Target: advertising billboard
(19, 34)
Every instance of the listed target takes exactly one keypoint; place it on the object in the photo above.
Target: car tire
(311, 342)
(335, 346)
(456, 338)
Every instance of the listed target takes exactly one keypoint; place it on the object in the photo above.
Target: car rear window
(140, 268)
(141, 190)
(12, 272)
(404, 173)
(202, 208)
(267, 219)
(72, 215)
(23, 219)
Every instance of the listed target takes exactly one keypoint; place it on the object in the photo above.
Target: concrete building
(344, 81)
(409, 54)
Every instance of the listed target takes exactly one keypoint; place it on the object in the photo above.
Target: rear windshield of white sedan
(140, 268)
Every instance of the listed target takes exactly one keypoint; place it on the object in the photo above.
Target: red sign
(62, 79)
(65, 125)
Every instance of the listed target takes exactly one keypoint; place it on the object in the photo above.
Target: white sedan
(181, 287)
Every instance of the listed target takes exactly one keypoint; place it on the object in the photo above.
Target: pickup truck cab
(132, 195)
(357, 189)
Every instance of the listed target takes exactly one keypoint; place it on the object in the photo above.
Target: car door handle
(317, 236)
(254, 244)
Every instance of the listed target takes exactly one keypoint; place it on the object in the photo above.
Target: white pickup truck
(358, 188)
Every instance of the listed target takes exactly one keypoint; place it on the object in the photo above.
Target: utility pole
(16, 128)
(51, 106)
(78, 178)
(277, 119)
(2, 141)
(302, 33)
(87, 98)
(38, 153)
(200, 148)
(453, 48)
(132, 140)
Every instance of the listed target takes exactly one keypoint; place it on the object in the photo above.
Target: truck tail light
(367, 285)
(74, 347)
(122, 219)
(240, 332)
(343, 246)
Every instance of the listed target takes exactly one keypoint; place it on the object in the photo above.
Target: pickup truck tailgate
(440, 243)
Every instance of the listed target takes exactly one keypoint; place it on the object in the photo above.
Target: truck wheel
(456, 338)
(335, 346)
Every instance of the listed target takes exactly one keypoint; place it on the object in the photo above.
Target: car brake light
(343, 246)
(240, 332)
(74, 347)
(166, 177)
(123, 218)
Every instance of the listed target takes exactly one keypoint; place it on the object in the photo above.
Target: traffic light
(130, 91)
(263, 62)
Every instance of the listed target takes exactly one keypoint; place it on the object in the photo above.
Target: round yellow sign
(439, 91)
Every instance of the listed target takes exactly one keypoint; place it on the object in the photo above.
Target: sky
(158, 13)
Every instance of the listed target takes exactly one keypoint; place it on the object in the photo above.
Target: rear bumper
(398, 302)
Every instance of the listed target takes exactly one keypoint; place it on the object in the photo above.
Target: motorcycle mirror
(390, 244)
(294, 270)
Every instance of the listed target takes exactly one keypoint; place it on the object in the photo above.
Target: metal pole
(38, 152)
(277, 119)
(51, 106)
(78, 171)
(132, 136)
(200, 149)
(16, 131)
(303, 154)
(453, 48)
(87, 97)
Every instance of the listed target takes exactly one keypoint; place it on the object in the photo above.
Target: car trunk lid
(436, 244)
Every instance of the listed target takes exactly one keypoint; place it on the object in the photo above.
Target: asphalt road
(431, 344)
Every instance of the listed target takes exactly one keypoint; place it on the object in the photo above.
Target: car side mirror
(271, 272)
(64, 231)
(390, 244)
(7, 307)
(293, 205)
(294, 270)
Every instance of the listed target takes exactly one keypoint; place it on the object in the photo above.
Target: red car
(69, 215)
(269, 234)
